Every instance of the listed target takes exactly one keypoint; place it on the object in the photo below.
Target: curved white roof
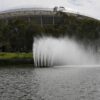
(86, 7)
(27, 9)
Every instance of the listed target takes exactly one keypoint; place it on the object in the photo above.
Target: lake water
(57, 83)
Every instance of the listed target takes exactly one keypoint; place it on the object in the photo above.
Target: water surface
(58, 83)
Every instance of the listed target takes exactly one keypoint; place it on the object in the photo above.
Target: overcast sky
(87, 7)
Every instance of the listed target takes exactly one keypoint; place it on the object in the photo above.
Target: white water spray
(49, 51)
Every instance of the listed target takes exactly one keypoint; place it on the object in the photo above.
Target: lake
(57, 83)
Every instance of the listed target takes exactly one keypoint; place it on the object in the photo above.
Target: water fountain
(50, 51)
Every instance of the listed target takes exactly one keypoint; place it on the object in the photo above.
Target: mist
(50, 51)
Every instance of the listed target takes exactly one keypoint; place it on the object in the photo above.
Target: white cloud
(87, 7)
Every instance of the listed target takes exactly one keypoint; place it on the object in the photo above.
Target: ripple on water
(17, 84)
(50, 83)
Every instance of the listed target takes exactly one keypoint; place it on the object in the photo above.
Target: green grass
(15, 55)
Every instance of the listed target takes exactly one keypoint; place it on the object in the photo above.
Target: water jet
(50, 51)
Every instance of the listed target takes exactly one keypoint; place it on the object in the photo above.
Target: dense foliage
(16, 34)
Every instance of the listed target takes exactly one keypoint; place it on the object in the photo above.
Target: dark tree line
(17, 33)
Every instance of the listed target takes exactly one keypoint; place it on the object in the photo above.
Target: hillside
(17, 30)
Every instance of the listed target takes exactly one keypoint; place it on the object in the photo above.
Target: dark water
(58, 83)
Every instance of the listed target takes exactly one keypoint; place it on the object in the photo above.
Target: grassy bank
(7, 59)
(16, 56)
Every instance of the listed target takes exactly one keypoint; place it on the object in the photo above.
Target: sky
(86, 7)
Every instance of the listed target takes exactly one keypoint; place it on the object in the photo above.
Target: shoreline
(16, 61)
